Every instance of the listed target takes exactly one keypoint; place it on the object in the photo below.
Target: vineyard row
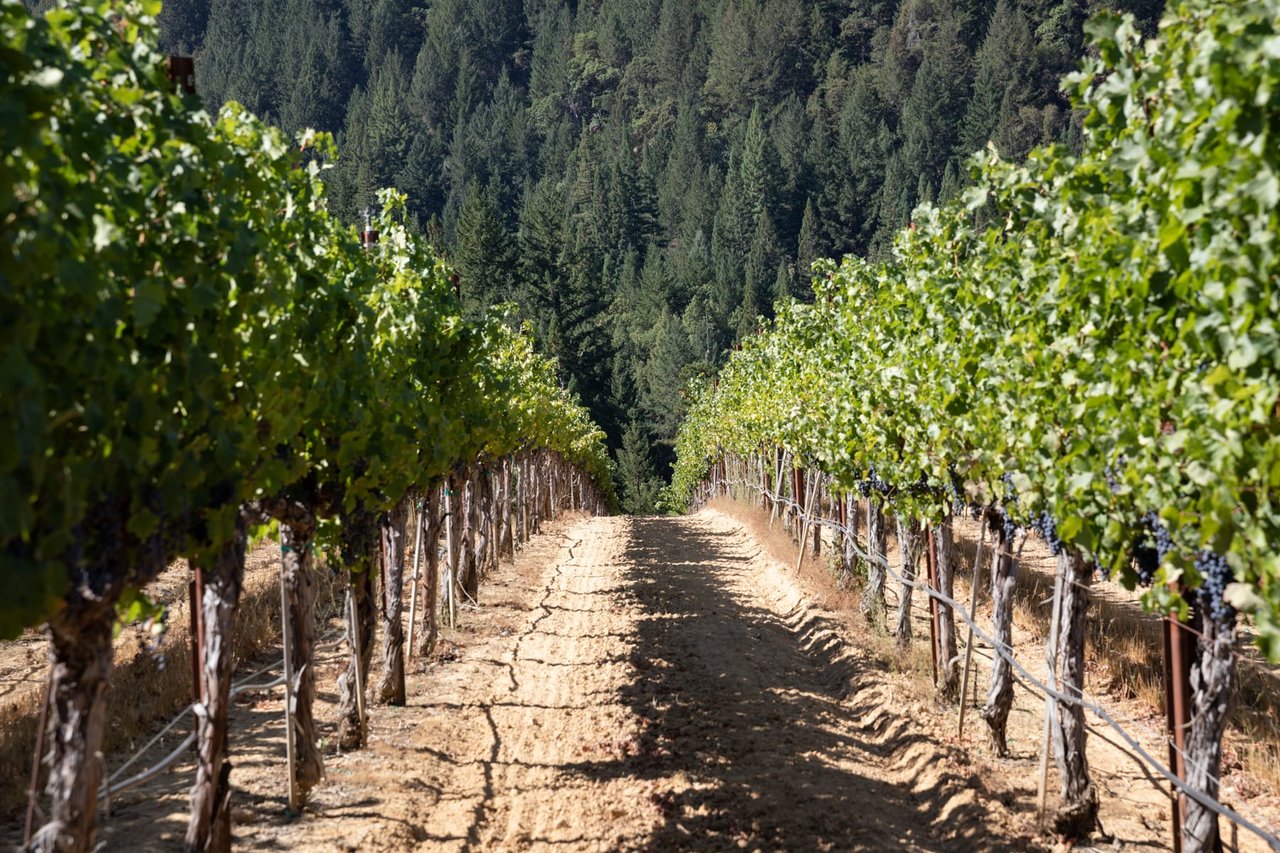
(192, 345)
(1086, 345)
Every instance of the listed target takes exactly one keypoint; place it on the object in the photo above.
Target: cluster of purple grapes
(1215, 573)
(958, 504)
(872, 483)
(1151, 547)
(1010, 490)
(1047, 526)
(1010, 529)
(920, 487)
(151, 643)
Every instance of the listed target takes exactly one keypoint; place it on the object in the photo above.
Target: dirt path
(628, 684)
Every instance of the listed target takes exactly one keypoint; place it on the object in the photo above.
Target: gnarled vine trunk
(1078, 814)
(470, 576)
(391, 689)
(909, 555)
(506, 535)
(1000, 693)
(431, 584)
(296, 537)
(849, 539)
(209, 823)
(873, 593)
(1211, 680)
(452, 535)
(81, 660)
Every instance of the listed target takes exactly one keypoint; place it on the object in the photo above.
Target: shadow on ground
(760, 715)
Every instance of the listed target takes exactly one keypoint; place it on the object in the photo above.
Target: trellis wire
(111, 787)
(1035, 684)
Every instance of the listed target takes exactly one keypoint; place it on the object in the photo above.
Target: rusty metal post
(1179, 646)
(816, 502)
(196, 590)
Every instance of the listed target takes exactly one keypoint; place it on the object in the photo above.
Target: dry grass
(143, 689)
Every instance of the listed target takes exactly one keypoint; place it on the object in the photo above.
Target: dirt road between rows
(628, 684)
(647, 684)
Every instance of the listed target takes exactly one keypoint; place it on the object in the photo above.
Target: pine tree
(484, 253)
(933, 113)
(782, 284)
(809, 246)
(637, 482)
(541, 237)
(763, 257)
(1001, 67)
(757, 170)
(664, 373)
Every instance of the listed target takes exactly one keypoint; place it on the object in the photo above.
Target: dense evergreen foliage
(643, 179)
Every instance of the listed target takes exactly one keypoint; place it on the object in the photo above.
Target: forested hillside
(644, 178)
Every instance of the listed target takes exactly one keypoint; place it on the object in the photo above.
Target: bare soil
(658, 684)
(1135, 803)
(632, 684)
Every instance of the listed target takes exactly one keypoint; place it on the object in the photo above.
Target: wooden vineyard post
(357, 649)
(420, 523)
(1050, 703)
(931, 577)
(973, 614)
(286, 641)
